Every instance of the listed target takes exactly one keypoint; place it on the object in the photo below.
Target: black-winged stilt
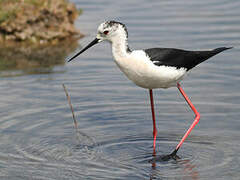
(152, 68)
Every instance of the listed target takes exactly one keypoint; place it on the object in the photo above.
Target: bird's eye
(105, 32)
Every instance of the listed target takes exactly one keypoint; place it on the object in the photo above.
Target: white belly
(139, 69)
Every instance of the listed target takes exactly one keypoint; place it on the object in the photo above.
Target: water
(114, 140)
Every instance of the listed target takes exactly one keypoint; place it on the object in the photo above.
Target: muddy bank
(37, 21)
(36, 35)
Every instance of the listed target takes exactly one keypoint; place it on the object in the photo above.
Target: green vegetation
(6, 12)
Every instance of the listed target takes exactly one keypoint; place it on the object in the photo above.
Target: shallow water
(114, 140)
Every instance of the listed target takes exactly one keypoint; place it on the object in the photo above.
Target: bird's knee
(197, 118)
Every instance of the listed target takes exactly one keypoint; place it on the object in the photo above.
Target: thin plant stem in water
(71, 107)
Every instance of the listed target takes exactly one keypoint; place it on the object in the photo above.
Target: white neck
(120, 46)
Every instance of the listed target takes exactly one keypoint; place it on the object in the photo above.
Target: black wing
(180, 58)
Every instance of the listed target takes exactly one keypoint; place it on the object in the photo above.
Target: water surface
(114, 140)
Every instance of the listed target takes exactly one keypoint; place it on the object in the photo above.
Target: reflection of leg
(196, 120)
(154, 122)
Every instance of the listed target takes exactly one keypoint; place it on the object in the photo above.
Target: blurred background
(32, 34)
(114, 141)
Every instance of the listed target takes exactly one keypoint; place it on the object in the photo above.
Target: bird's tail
(204, 55)
(207, 54)
(218, 50)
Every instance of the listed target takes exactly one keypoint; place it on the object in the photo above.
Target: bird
(152, 68)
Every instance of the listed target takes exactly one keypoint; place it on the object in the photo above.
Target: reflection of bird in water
(151, 68)
(189, 170)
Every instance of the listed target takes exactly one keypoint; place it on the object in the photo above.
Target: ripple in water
(127, 157)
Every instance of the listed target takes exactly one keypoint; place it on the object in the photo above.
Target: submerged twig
(71, 107)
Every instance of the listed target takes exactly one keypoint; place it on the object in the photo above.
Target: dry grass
(71, 107)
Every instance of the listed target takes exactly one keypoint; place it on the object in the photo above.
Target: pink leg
(154, 122)
(196, 120)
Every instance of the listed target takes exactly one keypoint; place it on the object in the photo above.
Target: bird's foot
(162, 158)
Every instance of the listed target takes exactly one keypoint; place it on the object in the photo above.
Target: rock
(42, 21)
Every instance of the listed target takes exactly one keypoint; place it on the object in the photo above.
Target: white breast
(138, 68)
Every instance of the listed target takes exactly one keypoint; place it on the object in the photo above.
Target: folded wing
(180, 58)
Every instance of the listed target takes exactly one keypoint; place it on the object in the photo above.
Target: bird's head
(111, 31)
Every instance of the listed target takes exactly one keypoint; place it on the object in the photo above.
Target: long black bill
(95, 41)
